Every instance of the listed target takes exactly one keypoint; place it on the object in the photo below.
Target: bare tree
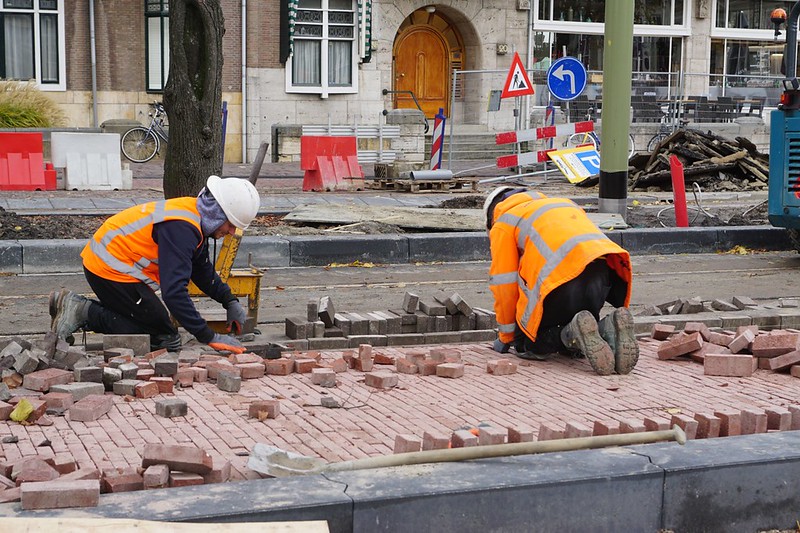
(193, 96)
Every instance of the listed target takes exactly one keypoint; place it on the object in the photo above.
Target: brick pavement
(554, 393)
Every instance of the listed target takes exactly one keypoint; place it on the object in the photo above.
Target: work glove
(226, 343)
(500, 347)
(236, 317)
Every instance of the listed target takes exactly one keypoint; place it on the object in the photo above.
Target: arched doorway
(427, 48)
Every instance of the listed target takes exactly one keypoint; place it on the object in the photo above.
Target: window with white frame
(324, 55)
(32, 42)
(156, 14)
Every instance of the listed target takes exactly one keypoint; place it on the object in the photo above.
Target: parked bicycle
(666, 127)
(141, 144)
(591, 137)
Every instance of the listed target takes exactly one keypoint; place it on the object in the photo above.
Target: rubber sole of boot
(626, 351)
(583, 334)
(55, 300)
(66, 321)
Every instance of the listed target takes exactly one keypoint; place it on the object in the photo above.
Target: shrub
(22, 105)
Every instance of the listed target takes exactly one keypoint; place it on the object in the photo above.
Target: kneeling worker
(552, 271)
(160, 245)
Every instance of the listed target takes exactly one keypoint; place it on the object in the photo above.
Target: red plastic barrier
(678, 192)
(329, 163)
(22, 163)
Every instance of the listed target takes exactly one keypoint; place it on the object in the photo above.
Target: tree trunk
(193, 96)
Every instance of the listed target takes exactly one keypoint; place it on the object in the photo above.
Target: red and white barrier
(438, 140)
(535, 134)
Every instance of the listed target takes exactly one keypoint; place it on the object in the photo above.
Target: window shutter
(288, 16)
(365, 30)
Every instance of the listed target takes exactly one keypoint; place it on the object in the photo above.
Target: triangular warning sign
(517, 82)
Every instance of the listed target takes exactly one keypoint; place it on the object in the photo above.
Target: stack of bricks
(481, 435)
(57, 482)
(736, 353)
(20, 357)
(442, 319)
(441, 362)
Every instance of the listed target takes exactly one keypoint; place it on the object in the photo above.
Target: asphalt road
(285, 291)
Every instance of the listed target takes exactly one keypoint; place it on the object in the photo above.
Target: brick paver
(553, 393)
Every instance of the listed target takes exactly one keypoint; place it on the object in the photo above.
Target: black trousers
(127, 308)
(587, 292)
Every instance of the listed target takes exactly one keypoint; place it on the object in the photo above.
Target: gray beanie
(211, 214)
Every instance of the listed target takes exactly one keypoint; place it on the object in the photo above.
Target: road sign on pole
(517, 82)
(566, 78)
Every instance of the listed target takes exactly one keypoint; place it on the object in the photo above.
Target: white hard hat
(237, 197)
(489, 199)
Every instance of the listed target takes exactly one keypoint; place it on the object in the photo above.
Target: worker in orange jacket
(160, 246)
(552, 272)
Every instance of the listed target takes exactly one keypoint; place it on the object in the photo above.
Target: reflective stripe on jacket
(123, 248)
(537, 244)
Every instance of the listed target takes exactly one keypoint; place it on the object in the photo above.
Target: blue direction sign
(566, 78)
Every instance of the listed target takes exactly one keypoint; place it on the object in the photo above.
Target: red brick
(304, 365)
(252, 370)
(661, 332)
(416, 356)
(732, 365)
(199, 375)
(699, 327)
(501, 367)
(752, 328)
(91, 408)
(795, 410)
(427, 367)
(576, 429)
(82, 473)
(686, 423)
(605, 427)
(156, 477)
(723, 339)
(445, 355)
(783, 361)
(6, 483)
(405, 366)
(380, 380)
(145, 374)
(779, 418)
(742, 341)
(775, 345)
(10, 495)
(279, 367)
(365, 351)
(146, 389)
(5, 411)
(183, 458)
(753, 421)
(262, 409)
(699, 356)
(165, 384)
(185, 376)
(380, 358)
(520, 434)
(33, 469)
(42, 380)
(242, 358)
(548, 432)
(184, 479)
(707, 425)
(215, 367)
(122, 482)
(149, 356)
(450, 370)
(631, 425)
(463, 438)
(64, 464)
(324, 377)
(60, 494)
(220, 471)
(656, 423)
(488, 435)
(407, 443)
(435, 441)
(680, 344)
(339, 365)
(730, 423)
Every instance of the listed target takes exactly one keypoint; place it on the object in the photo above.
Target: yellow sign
(577, 164)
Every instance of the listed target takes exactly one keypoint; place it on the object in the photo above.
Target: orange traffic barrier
(22, 163)
(330, 163)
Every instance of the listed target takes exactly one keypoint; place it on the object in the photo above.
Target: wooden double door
(422, 66)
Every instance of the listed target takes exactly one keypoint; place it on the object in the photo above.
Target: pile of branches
(711, 161)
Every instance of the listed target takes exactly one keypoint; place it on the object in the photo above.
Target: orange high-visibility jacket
(537, 244)
(123, 248)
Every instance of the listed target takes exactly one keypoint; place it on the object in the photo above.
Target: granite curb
(45, 256)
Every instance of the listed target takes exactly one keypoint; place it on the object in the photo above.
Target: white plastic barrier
(91, 161)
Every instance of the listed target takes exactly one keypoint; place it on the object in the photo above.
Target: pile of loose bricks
(688, 306)
(438, 320)
(52, 483)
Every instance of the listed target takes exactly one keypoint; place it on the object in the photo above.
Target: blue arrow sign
(566, 78)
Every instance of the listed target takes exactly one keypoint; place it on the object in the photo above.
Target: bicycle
(141, 144)
(666, 127)
(591, 137)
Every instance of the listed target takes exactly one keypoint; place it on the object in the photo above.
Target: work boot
(72, 313)
(55, 300)
(582, 334)
(171, 341)
(617, 329)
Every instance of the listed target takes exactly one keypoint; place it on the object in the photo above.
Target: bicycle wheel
(580, 139)
(139, 144)
(655, 140)
(631, 146)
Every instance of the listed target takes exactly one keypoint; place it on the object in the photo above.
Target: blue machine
(784, 159)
